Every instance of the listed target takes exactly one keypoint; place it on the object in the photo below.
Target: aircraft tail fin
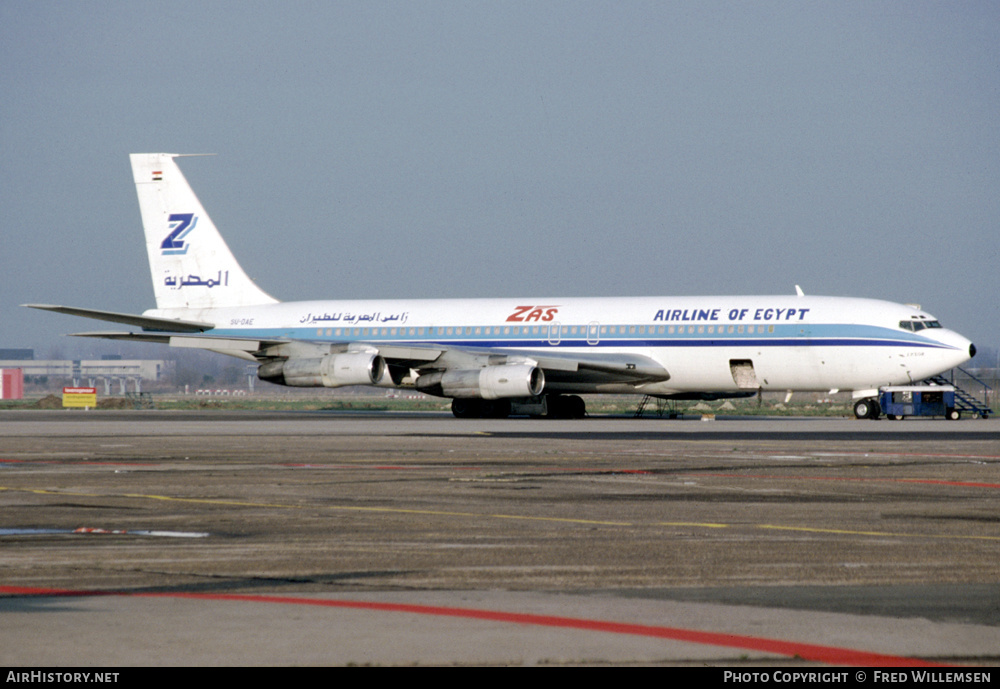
(191, 265)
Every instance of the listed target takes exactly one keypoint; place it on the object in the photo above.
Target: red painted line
(939, 482)
(811, 652)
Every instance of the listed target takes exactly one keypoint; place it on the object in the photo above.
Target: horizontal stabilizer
(144, 322)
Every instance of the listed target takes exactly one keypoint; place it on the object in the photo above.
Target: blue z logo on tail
(180, 225)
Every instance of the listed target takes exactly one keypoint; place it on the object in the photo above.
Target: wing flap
(128, 337)
(227, 343)
(623, 366)
(568, 366)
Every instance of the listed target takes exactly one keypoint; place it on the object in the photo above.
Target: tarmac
(223, 538)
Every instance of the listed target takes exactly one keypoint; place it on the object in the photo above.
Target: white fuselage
(707, 344)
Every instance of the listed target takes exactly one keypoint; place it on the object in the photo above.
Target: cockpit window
(918, 325)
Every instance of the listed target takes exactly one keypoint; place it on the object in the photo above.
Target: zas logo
(527, 314)
(180, 225)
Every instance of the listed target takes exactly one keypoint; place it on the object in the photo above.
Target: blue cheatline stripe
(490, 341)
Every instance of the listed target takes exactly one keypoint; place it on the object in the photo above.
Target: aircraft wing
(564, 367)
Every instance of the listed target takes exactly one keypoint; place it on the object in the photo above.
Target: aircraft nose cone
(972, 350)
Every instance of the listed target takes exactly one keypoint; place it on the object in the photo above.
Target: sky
(509, 149)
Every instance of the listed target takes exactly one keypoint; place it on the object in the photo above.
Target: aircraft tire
(876, 410)
(861, 409)
(466, 408)
(576, 407)
(566, 407)
(867, 408)
(555, 406)
(494, 409)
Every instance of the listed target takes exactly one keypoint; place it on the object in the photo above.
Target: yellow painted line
(207, 501)
(42, 491)
(848, 532)
(342, 508)
(703, 525)
(565, 520)
(474, 515)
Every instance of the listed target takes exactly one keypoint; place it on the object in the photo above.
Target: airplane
(534, 356)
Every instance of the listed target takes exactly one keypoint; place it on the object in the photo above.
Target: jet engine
(489, 383)
(331, 371)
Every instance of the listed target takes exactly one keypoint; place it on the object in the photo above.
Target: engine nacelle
(489, 383)
(330, 371)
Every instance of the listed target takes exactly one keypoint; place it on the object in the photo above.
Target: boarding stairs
(662, 406)
(965, 401)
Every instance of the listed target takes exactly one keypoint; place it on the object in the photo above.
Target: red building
(11, 383)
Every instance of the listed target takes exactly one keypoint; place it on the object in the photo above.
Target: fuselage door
(555, 333)
(593, 333)
(743, 374)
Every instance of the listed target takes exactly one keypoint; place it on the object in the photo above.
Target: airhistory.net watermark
(40, 676)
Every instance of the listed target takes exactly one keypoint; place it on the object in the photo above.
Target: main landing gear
(552, 407)
(565, 407)
(867, 408)
(471, 408)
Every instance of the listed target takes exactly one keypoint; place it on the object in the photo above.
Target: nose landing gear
(867, 408)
